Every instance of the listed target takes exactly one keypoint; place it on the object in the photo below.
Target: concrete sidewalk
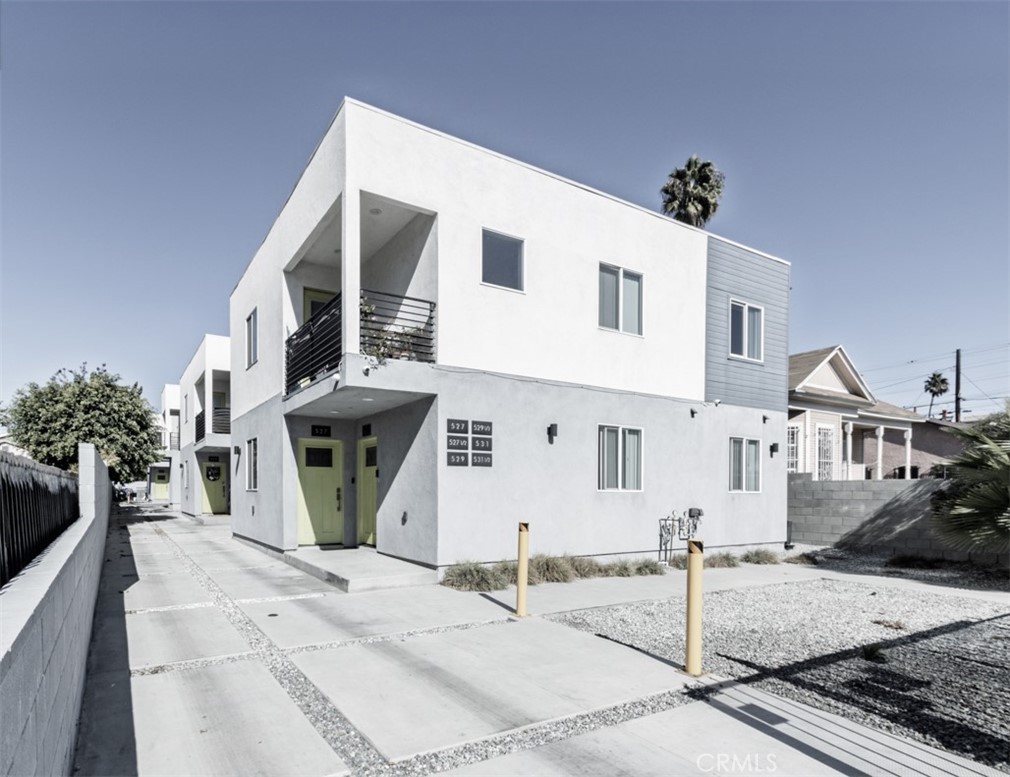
(211, 657)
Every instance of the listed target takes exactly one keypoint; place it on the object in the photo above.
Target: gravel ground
(943, 676)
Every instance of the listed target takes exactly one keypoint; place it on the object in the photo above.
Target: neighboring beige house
(7, 445)
(837, 429)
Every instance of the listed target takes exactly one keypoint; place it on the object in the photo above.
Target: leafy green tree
(936, 385)
(692, 192)
(973, 512)
(76, 406)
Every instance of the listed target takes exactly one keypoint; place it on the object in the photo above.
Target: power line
(917, 359)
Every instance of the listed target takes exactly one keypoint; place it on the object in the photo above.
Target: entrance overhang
(350, 402)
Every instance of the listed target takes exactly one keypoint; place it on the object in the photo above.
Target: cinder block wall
(45, 630)
(881, 516)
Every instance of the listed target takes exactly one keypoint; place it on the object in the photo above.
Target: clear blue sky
(147, 147)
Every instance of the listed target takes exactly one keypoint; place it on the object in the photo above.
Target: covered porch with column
(879, 446)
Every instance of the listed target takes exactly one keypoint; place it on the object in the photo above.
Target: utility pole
(957, 386)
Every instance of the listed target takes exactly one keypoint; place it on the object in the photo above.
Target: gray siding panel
(736, 273)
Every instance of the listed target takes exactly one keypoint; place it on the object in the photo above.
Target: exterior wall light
(552, 432)
(693, 412)
(773, 449)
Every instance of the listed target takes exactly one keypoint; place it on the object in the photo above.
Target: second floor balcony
(392, 327)
(220, 422)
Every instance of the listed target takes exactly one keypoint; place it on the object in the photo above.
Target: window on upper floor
(744, 464)
(620, 459)
(502, 261)
(746, 330)
(620, 299)
(251, 339)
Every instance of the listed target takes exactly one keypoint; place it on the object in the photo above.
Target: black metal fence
(220, 420)
(36, 504)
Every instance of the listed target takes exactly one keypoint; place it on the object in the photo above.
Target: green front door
(215, 486)
(320, 492)
(368, 489)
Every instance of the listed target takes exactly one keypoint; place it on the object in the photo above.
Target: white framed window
(502, 261)
(620, 458)
(185, 475)
(825, 452)
(620, 299)
(251, 339)
(746, 330)
(251, 465)
(744, 464)
(185, 408)
(792, 448)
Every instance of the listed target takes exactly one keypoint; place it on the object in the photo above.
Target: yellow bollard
(695, 563)
(523, 568)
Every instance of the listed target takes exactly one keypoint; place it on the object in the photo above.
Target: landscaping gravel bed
(942, 675)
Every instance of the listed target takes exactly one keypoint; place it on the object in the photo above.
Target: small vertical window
(746, 330)
(251, 465)
(185, 407)
(620, 459)
(792, 448)
(744, 464)
(251, 339)
(620, 299)
(502, 261)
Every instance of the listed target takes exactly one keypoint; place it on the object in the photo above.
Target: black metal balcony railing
(173, 441)
(220, 420)
(396, 327)
(392, 327)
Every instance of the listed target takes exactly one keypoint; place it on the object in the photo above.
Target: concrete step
(358, 569)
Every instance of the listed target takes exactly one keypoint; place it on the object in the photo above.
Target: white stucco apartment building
(205, 429)
(435, 342)
(163, 481)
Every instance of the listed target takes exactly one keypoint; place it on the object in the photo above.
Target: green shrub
(801, 558)
(551, 569)
(649, 566)
(585, 567)
(760, 556)
(472, 576)
(619, 569)
(506, 570)
(678, 561)
(721, 561)
(909, 561)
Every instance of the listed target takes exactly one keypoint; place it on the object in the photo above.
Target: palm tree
(972, 511)
(692, 192)
(936, 385)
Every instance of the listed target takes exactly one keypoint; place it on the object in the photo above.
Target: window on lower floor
(744, 464)
(746, 335)
(825, 453)
(620, 459)
(251, 465)
(792, 449)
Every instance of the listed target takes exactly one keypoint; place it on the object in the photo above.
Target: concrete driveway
(211, 657)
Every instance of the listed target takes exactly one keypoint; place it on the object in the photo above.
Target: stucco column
(908, 454)
(880, 453)
(350, 269)
(848, 450)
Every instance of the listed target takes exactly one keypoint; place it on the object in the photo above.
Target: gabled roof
(887, 410)
(803, 367)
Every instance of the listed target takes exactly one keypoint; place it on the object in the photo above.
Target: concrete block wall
(879, 516)
(45, 631)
